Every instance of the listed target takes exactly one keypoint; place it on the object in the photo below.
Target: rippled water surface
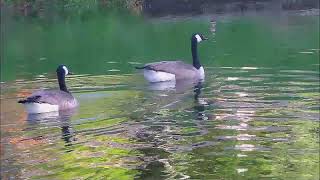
(256, 115)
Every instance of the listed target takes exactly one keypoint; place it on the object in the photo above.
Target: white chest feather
(201, 72)
(34, 108)
(158, 76)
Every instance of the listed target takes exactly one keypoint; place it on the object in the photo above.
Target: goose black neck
(62, 83)
(194, 50)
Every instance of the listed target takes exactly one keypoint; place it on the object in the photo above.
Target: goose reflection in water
(177, 86)
(166, 126)
(171, 93)
(53, 119)
(183, 89)
(200, 104)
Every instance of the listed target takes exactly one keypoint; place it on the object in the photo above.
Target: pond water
(256, 115)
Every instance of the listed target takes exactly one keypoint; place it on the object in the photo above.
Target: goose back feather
(180, 69)
(53, 97)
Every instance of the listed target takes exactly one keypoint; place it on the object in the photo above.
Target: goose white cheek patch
(199, 39)
(65, 70)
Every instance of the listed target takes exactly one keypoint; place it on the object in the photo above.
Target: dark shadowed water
(256, 115)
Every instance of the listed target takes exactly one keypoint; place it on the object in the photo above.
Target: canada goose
(51, 100)
(176, 70)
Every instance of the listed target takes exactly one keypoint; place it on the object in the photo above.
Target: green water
(256, 115)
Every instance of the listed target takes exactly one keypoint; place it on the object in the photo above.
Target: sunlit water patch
(251, 125)
(255, 116)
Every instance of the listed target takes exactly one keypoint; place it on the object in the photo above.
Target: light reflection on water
(170, 130)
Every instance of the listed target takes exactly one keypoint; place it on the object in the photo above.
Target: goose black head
(198, 37)
(63, 70)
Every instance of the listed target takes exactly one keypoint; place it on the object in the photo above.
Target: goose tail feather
(22, 101)
(33, 99)
(140, 67)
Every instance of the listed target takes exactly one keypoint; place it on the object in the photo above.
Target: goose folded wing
(54, 97)
(178, 68)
